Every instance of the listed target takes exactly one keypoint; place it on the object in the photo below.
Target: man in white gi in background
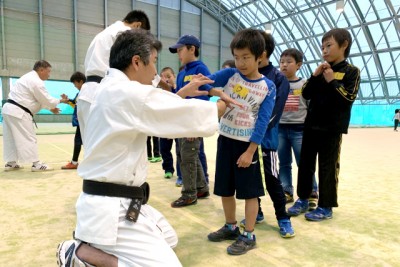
(125, 231)
(27, 97)
(97, 57)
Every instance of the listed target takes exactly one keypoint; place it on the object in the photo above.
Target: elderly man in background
(26, 97)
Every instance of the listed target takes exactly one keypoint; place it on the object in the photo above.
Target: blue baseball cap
(185, 40)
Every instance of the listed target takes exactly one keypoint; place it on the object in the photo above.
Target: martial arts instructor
(27, 96)
(115, 228)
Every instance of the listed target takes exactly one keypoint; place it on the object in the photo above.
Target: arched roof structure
(374, 25)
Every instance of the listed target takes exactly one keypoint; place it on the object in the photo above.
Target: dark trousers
(155, 151)
(273, 184)
(77, 144)
(396, 123)
(326, 146)
(168, 159)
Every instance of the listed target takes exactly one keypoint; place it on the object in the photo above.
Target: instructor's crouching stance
(115, 226)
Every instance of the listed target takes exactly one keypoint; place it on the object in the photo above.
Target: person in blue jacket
(78, 79)
(189, 152)
(188, 50)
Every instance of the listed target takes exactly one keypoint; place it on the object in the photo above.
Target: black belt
(22, 107)
(138, 194)
(94, 78)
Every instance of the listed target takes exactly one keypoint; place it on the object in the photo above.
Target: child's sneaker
(259, 219)
(70, 166)
(156, 159)
(224, 234)
(289, 198)
(41, 167)
(300, 206)
(242, 245)
(319, 214)
(179, 182)
(313, 201)
(12, 167)
(285, 228)
(66, 256)
(168, 175)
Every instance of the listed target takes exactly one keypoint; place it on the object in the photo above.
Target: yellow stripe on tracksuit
(261, 159)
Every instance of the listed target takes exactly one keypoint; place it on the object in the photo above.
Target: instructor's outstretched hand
(192, 88)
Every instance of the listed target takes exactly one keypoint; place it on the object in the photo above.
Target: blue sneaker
(179, 182)
(319, 214)
(259, 219)
(300, 206)
(285, 228)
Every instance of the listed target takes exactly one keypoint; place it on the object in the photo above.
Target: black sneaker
(224, 234)
(241, 245)
(183, 201)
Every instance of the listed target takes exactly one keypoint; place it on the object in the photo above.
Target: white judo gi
(19, 137)
(96, 63)
(123, 114)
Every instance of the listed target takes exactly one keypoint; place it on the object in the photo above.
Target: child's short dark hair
(251, 39)
(77, 77)
(138, 16)
(167, 68)
(341, 36)
(230, 63)
(294, 53)
(196, 50)
(269, 43)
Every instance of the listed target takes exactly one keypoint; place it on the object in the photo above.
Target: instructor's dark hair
(138, 16)
(135, 42)
(41, 64)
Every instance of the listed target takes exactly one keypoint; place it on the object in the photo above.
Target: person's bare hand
(64, 98)
(244, 160)
(328, 75)
(229, 101)
(55, 110)
(192, 88)
(320, 69)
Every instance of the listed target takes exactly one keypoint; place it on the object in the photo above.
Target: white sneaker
(12, 167)
(66, 256)
(41, 167)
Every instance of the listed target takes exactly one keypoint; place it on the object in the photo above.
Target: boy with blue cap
(191, 150)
